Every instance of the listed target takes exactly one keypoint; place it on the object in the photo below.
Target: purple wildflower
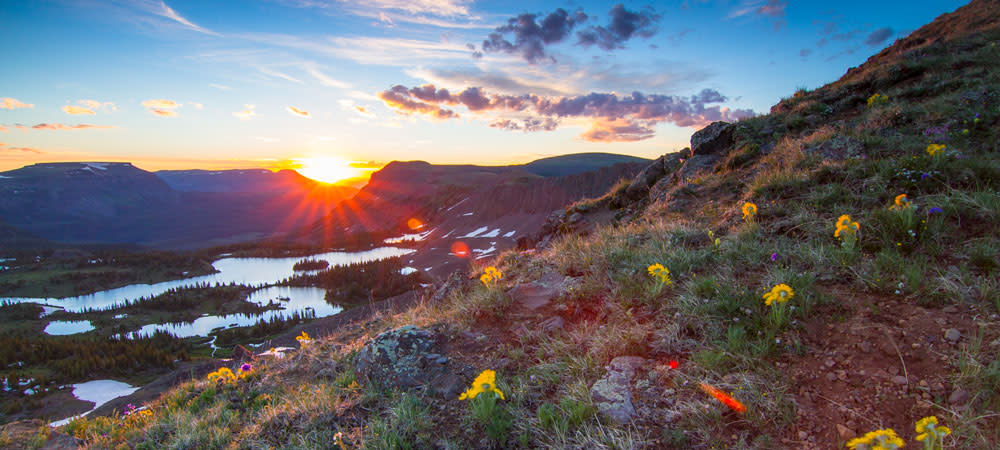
(774, 256)
(934, 210)
(925, 176)
(246, 367)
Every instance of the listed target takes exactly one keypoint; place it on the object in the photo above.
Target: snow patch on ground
(46, 310)
(99, 392)
(476, 233)
(409, 237)
(456, 204)
(98, 166)
(1, 176)
(485, 251)
(408, 270)
(494, 233)
(510, 233)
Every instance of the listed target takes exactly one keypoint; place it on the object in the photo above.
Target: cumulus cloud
(399, 98)
(77, 110)
(59, 126)
(624, 24)
(878, 37)
(629, 117)
(246, 114)
(298, 112)
(161, 107)
(13, 103)
(528, 35)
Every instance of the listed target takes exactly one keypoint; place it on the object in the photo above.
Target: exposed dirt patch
(886, 363)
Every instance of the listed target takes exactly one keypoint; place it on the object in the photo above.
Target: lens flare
(460, 250)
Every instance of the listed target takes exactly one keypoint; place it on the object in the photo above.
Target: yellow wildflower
(901, 202)
(780, 293)
(928, 427)
(885, 439)
(303, 338)
(749, 210)
(223, 374)
(485, 382)
(659, 271)
(877, 98)
(491, 276)
(934, 149)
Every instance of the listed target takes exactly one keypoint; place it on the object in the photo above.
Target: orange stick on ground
(723, 397)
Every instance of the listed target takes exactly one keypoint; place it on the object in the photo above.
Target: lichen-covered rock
(712, 139)
(612, 394)
(408, 358)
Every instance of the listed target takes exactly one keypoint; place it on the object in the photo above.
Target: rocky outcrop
(663, 165)
(29, 435)
(409, 358)
(612, 394)
(713, 139)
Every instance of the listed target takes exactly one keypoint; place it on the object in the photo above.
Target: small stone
(803, 435)
(830, 363)
(866, 347)
(958, 397)
(894, 370)
(842, 375)
(950, 309)
(845, 433)
(952, 335)
(830, 376)
(923, 383)
(899, 379)
(552, 323)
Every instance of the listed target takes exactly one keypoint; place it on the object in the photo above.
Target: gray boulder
(713, 139)
(409, 358)
(612, 394)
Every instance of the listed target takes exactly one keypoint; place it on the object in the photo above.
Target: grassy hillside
(892, 320)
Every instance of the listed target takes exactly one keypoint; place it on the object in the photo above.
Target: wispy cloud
(4, 147)
(325, 80)
(367, 50)
(438, 13)
(246, 114)
(772, 9)
(276, 74)
(77, 110)
(220, 87)
(59, 126)
(160, 9)
(161, 107)
(297, 112)
(13, 103)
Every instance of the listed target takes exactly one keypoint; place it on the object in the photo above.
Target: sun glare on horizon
(330, 170)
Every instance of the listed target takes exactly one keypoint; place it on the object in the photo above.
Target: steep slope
(593, 348)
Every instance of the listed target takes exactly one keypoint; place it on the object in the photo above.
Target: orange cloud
(618, 130)
(92, 104)
(246, 114)
(4, 129)
(160, 104)
(162, 108)
(4, 147)
(298, 112)
(77, 110)
(59, 126)
(13, 103)
(163, 112)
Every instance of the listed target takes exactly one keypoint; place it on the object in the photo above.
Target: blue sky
(199, 84)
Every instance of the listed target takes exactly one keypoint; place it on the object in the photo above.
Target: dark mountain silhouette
(117, 203)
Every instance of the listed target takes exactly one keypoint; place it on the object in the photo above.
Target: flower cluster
(223, 374)
(303, 338)
(846, 225)
(749, 212)
(715, 241)
(661, 273)
(935, 149)
(133, 414)
(780, 293)
(885, 439)
(930, 433)
(877, 99)
(901, 202)
(491, 276)
(485, 382)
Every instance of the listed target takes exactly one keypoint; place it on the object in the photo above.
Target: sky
(278, 83)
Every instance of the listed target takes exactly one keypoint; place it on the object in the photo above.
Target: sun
(326, 169)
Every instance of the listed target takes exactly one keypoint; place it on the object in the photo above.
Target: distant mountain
(454, 201)
(92, 202)
(563, 165)
(261, 181)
